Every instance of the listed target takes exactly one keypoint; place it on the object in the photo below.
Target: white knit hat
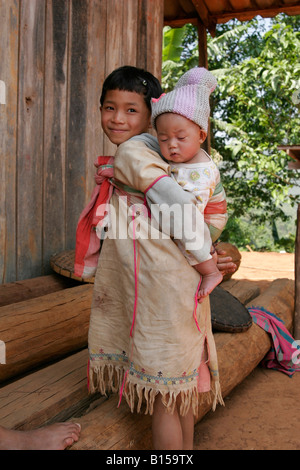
(190, 97)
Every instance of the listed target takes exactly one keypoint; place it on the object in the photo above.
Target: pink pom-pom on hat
(190, 97)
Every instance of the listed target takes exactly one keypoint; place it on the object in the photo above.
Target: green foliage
(258, 70)
(172, 47)
(246, 233)
(180, 53)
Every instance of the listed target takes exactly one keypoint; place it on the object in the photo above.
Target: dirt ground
(262, 413)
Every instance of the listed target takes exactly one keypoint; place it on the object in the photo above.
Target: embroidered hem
(109, 378)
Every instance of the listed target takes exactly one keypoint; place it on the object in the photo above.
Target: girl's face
(124, 114)
(179, 138)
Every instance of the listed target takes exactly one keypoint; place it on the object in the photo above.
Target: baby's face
(179, 138)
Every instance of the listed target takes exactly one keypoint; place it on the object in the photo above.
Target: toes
(69, 441)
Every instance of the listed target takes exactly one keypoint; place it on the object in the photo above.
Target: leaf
(172, 47)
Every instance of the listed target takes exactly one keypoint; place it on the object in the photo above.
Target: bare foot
(208, 283)
(56, 436)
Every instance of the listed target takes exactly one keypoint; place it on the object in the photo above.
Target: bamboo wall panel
(54, 56)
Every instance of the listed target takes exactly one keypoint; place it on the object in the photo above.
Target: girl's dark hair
(128, 78)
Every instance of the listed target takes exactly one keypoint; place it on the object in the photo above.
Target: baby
(181, 121)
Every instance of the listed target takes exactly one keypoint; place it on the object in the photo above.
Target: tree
(258, 70)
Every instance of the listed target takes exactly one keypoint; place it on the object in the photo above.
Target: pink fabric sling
(87, 241)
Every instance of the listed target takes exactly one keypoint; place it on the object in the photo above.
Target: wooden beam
(202, 11)
(210, 20)
(294, 165)
(292, 150)
(245, 15)
(180, 22)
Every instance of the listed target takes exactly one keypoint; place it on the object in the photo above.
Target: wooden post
(294, 152)
(297, 280)
(202, 39)
(203, 62)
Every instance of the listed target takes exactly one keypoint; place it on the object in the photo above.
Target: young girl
(149, 338)
(181, 120)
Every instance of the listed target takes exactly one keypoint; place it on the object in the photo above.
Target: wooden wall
(54, 55)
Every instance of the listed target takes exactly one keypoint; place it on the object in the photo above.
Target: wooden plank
(55, 108)
(54, 393)
(31, 136)
(41, 330)
(114, 35)
(9, 51)
(113, 58)
(149, 44)
(238, 355)
(30, 139)
(119, 430)
(130, 24)
(96, 18)
(75, 176)
(19, 291)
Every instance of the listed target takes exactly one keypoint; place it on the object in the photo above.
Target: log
(44, 329)
(238, 355)
(44, 319)
(18, 291)
(244, 290)
(54, 393)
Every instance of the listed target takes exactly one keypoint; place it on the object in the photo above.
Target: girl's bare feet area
(56, 436)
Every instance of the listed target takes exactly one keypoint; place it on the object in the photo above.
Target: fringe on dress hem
(108, 377)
